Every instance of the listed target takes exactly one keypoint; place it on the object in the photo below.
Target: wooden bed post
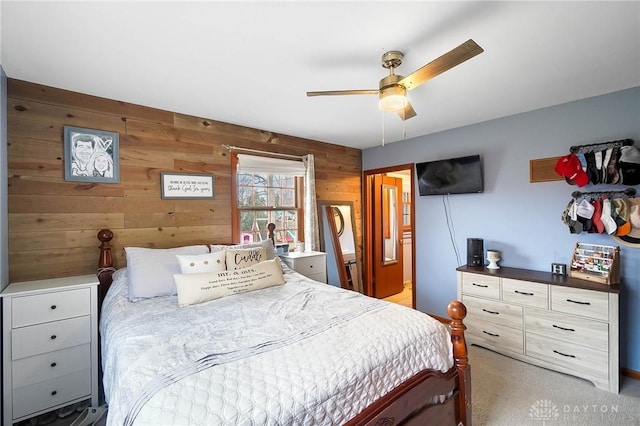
(457, 311)
(105, 263)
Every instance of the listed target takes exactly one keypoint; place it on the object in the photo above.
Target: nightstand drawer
(481, 285)
(40, 308)
(493, 311)
(51, 336)
(310, 265)
(50, 393)
(568, 328)
(526, 293)
(587, 303)
(34, 369)
(322, 277)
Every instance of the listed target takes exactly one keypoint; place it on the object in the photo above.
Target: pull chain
(382, 113)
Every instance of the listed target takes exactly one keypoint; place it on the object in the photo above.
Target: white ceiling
(251, 63)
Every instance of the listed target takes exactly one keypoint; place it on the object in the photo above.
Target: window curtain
(257, 164)
(311, 233)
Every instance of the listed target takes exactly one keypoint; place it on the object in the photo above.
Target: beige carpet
(510, 392)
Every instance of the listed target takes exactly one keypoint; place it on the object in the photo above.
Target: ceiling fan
(393, 88)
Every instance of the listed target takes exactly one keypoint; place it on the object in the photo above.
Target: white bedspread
(303, 353)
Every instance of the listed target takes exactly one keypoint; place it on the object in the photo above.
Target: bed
(297, 352)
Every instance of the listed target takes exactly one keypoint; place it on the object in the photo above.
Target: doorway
(389, 269)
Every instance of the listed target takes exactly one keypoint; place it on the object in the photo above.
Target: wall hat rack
(613, 162)
(616, 213)
(600, 146)
(627, 193)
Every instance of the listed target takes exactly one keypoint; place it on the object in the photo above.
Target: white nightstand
(50, 345)
(312, 264)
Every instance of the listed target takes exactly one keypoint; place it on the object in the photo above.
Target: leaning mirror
(337, 239)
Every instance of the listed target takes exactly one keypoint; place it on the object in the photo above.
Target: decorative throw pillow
(241, 258)
(266, 244)
(199, 288)
(150, 271)
(210, 262)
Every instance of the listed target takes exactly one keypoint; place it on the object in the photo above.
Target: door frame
(367, 257)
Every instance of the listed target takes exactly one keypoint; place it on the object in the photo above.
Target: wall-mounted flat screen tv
(461, 175)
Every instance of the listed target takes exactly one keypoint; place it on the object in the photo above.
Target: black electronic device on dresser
(475, 252)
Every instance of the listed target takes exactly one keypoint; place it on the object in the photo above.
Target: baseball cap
(629, 165)
(569, 166)
(608, 222)
(569, 218)
(634, 217)
(585, 214)
(621, 216)
(598, 226)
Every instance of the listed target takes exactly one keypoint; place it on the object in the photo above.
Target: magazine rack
(597, 263)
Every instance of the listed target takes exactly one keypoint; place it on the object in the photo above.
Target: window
(267, 192)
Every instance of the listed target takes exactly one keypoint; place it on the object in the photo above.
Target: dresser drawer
(495, 336)
(587, 303)
(492, 311)
(481, 285)
(580, 331)
(40, 308)
(526, 293)
(51, 336)
(34, 369)
(43, 395)
(579, 359)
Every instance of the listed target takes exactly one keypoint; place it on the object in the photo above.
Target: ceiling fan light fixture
(393, 98)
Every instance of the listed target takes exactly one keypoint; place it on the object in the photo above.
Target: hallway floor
(402, 298)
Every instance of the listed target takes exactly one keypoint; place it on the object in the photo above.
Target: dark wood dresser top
(541, 277)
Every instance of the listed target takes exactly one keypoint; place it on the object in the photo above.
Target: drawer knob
(311, 266)
(53, 364)
(54, 393)
(53, 306)
(53, 337)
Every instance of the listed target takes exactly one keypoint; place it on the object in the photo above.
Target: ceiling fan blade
(458, 55)
(408, 112)
(343, 92)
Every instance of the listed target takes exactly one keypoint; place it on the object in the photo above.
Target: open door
(386, 235)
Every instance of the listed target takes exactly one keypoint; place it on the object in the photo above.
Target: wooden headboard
(105, 263)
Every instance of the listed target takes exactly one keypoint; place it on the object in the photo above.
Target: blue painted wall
(519, 218)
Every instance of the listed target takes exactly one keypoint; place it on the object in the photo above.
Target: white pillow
(210, 262)
(198, 288)
(267, 244)
(150, 271)
(241, 258)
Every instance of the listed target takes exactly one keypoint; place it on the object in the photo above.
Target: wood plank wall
(53, 223)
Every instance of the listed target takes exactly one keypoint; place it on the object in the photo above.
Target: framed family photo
(91, 155)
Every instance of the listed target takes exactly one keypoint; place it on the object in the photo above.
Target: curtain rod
(256, 151)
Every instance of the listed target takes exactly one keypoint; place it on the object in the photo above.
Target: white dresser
(561, 323)
(50, 345)
(312, 264)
